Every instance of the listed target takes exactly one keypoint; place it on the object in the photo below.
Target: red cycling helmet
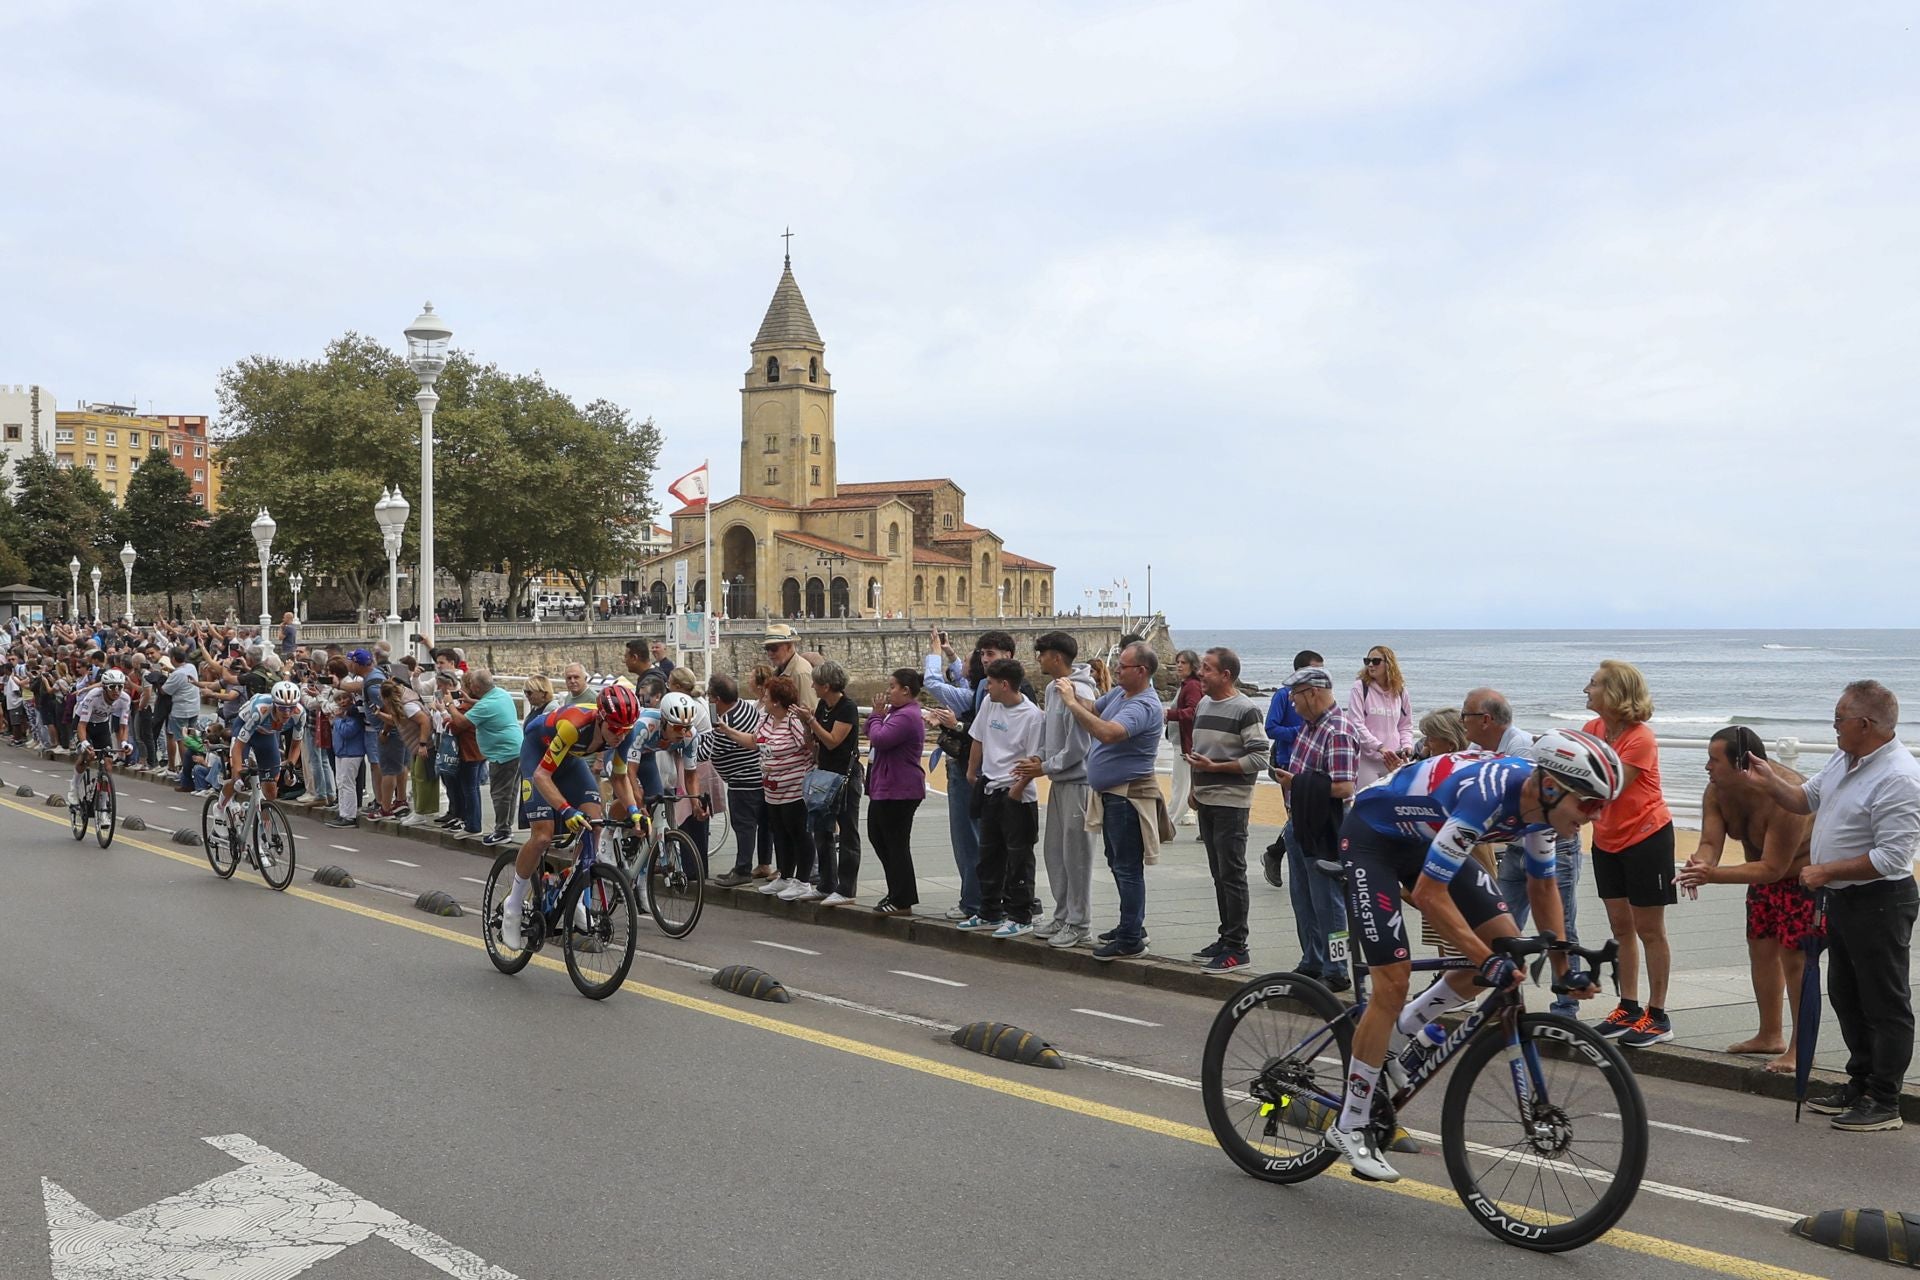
(619, 709)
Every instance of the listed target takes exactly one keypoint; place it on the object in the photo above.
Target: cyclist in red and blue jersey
(256, 730)
(102, 708)
(1415, 832)
(557, 785)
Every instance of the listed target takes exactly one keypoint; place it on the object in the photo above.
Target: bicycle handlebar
(1543, 943)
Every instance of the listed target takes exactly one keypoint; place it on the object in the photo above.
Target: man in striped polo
(1230, 750)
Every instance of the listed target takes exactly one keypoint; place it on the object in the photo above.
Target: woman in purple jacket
(896, 784)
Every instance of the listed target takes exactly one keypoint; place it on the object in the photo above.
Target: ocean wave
(1814, 648)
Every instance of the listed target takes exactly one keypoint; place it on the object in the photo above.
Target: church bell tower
(786, 405)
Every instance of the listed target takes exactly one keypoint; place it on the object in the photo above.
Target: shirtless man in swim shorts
(1780, 912)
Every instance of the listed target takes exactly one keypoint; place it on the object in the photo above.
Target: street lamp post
(876, 599)
(96, 592)
(294, 582)
(1001, 593)
(127, 557)
(74, 565)
(427, 340)
(263, 528)
(391, 512)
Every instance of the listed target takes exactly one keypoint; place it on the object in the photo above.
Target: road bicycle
(664, 861)
(97, 802)
(590, 906)
(1543, 1128)
(253, 823)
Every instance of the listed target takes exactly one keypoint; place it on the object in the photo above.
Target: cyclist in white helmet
(1408, 839)
(257, 728)
(103, 709)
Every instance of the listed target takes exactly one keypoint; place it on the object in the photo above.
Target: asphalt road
(677, 1131)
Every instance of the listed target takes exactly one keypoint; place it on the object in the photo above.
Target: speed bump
(134, 822)
(337, 877)
(23, 791)
(438, 902)
(1009, 1043)
(1884, 1234)
(187, 836)
(53, 800)
(756, 984)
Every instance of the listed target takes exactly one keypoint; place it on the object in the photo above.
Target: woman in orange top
(1633, 855)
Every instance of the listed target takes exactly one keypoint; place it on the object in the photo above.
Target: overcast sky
(1338, 315)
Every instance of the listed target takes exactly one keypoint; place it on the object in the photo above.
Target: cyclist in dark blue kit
(1408, 839)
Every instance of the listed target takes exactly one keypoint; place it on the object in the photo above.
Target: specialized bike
(1543, 1128)
(664, 861)
(254, 824)
(590, 907)
(97, 802)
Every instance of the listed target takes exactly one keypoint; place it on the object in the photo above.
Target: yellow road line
(1630, 1241)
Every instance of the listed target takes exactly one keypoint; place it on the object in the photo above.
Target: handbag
(822, 790)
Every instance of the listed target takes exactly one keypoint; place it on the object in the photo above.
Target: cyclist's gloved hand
(574, 820)
(1579, 983)
(1499, 972)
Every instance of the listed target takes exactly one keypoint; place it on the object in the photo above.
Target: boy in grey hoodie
(1062, 761)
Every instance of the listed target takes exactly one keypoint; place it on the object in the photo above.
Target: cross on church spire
(788, 237)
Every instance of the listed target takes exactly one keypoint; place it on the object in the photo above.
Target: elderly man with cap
(1323, 763)
(784, 655)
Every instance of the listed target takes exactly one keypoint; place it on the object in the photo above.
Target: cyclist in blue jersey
(102, 709)
(668, 727)
(257, 729)
(1415, 832)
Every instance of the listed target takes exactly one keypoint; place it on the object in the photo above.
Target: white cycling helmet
(286, 694)
(114, 678)
(677, 708)
(1582, 762)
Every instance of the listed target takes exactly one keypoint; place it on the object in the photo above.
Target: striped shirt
(737, 766)
(786, 753)
(1229, 729)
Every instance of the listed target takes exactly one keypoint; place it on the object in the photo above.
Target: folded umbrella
(1807, 1029)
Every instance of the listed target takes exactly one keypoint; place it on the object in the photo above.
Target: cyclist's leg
(1477, 894)
(236, 761)
(265, 748)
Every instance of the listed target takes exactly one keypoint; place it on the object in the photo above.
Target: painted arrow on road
(269, 1219)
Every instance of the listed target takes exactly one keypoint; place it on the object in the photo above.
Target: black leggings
(792, 848)
(890, 828)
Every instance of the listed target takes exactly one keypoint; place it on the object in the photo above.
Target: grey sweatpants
(503, 787)
(1069, 850)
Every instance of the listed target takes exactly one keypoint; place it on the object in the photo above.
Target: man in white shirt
(1006, 731)
(1866, 831)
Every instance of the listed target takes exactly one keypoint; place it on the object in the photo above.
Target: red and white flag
(691, 487)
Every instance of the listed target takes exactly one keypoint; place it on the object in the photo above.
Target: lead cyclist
(1415, 832)
(102, 707)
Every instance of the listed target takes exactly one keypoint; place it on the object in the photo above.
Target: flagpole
(706, 529)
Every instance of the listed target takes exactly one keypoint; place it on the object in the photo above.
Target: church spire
(787, 322)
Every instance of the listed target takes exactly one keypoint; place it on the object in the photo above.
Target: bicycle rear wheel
(273, 850)
(599, 921)
(216, 836)
(492, 896)
(1273, 1075)
(676, 884)
(105, 812)
(77, 814)
(1560, 1173)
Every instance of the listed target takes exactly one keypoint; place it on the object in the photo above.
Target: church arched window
(919, 589)
(946, 520)
(893, 538)
(773, 368)
(940, 589)
(813, 369)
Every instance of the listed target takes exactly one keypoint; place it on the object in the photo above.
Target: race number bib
(1337, 947)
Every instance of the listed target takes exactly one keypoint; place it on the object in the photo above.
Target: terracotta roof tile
(1013, 561)
(928, 555)
(897, 486)
(827, 544)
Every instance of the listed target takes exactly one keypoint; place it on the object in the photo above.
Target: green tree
(164, 524)
(61, 514)
(224, 555)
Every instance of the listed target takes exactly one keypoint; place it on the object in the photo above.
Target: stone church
(797, 542)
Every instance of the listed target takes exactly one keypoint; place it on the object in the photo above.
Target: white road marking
(1118, 1017)
(781, 946)
(927, 977)
(1681, 1128)
(402, 862)
(176, 808)
(267, 1219)
(344, 848)
(144, 800)
(472, 880)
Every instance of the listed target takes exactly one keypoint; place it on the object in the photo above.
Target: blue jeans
(466, 793)
(965, 835)
(1126, 858)
(1568, 860)
(207, 775)
(1319, 909)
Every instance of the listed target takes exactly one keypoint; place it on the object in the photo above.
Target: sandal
(763, 872)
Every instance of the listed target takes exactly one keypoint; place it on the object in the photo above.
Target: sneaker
(975, 922)
(402, 811)
(1868, 1115)
(835, 900)
(728, 880)
(448, 823)
(888, 907)
(1012, 929)
(1047, 928)
(1359, 1151)
(956, 913)
(1227, 962)
(1113, 935)
(495, 838)
(1619, 1022)
(339, 823)
(1837, 1101)
(799, 891)
(1117, 950)
(778, 884)
(1337, 982)
(1209, 951)
(511, 938)
(1068, 936)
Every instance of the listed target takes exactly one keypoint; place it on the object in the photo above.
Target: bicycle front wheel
(216, 836)
(1274, 1073)
(676, 884)
(493, 898)
(105, 812)
(599, 921)
(1557, 1170)
(77, 813)
(273, 846)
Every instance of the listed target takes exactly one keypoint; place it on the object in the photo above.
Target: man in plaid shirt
(1325, 745)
